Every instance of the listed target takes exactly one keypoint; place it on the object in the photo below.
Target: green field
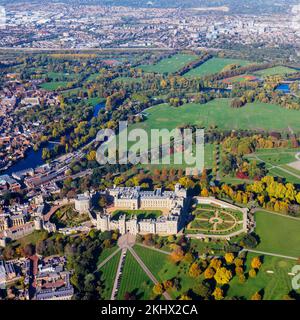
(277, 158)
(280, 70)
(106, 253)
(134, 280)
(163, 269)
(169, 65)
(60, 75)
(274, 286)
(218, 113)
(108, 273)
(278, 234)
(54, 85)
(214, 65)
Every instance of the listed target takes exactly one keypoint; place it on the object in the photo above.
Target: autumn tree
(256, 296)
(218, 294)
(209, 273)
(223, 276)
(229, 257)
(252, 273)
(256, 263)
(158, 289)
(194, 270)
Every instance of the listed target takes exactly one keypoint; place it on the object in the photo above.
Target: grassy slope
(214, 65)
(274, 286)
(134, 279)
(278, 234)
(169, 65)
(218, 112)
(163, 269)
(280, 70)
(108, 275)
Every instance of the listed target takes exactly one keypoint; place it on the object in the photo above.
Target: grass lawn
(54, 85)
(278, 234)
(280, 158)
(208, 246)
(280, 70)
(94, 101)
(108, 273)
(106, 253)
(141, 214)
(276, 156)
(71, 92)
(274, 286)
(276, 172)
(135, 280)
(31, 238)
(218, 113)
(169, 65)
(60, 75)
(163, 269)
(214, 65)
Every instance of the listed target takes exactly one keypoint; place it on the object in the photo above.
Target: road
(277, 167)
(152, 248)
(270, 254)
(107, 259)
(118, 275)
(275, 213)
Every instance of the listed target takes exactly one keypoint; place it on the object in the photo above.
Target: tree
(184, 297)
(203, 290)
(239, 270)
(252, 273)
(218, 294)
(177, 255)
(242, 278)
(229, 257)
(209, 273)
(215, 263)
(256, 296)
(256, 263)
(194, 270)
(91, 156)
(204, 193)
(223, 276)
(158, 289)
(238, 262)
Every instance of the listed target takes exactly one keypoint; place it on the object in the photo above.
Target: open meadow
(278, 234)
(214, 65)
(169, 65)
(219, 113)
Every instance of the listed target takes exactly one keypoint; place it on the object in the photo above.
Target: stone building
(83, 203)
(173, 203)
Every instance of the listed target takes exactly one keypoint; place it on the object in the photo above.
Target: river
(33, 158)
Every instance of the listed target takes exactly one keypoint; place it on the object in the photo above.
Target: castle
(172, 203)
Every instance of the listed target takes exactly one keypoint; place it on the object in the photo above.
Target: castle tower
(38, 224)
(122, 224)
(103, 222)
